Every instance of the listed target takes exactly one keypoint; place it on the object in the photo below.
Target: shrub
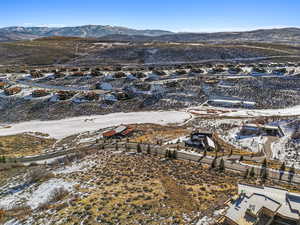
(2, 85)
(180, 72)
(213, 163)
(119, 75)
(96, 73)
(64, 95)
(59, 74)
(2, 214)
(252, 172)
(139, 149)
(159, 72)
(12, 91)
(91, 96)
(36, 74)
(222, 165)
(78, 74)
(138, 74)
(58, 194)
(38, 174)
(40, 93)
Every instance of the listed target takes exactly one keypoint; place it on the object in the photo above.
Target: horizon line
(178, 32)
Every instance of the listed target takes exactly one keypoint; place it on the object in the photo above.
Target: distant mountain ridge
(279, 35)
(95, 31)
(116, 33)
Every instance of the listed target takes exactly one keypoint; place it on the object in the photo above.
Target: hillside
(25, 33)
(284, 35)
(91, 51)
(116, 33)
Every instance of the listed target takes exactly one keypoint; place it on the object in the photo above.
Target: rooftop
(261, 126)
(253, 199)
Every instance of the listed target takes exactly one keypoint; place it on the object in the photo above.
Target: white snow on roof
(210, 143)
(232, 101)
(120, 129)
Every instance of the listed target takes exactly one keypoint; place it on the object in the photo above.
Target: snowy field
(292, 111)
(62, 128)
(204, 110)
(250, 143)
(34, 196)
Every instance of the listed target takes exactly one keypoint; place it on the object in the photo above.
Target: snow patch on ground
(208, 110)
(45, 190)
(34, 196)
(205, 221)
(75, 167)
(177, 140)
(252, 143)
(74, 125)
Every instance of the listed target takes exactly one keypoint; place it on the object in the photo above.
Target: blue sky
(174, 15)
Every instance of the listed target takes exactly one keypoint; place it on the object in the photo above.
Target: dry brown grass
(142, 189)
(23, 145)
(19, 213)
(178, 195)
(150, 133)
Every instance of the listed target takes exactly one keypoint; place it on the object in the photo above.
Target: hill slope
(115, 33)
(284, 35)
(21, 33)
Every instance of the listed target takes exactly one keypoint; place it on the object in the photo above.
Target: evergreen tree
(291, 173)
(167, 153)
(282, 170)
(148, 149)
(263, 171)
(222, 165)
(216, 154)
(282, 167)
(246, 173)
(174, 156)
(205, 153)
(252, 172)
(241, 158)
(139, 148)
(213, 163)
(264, 174)
(264, 163)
